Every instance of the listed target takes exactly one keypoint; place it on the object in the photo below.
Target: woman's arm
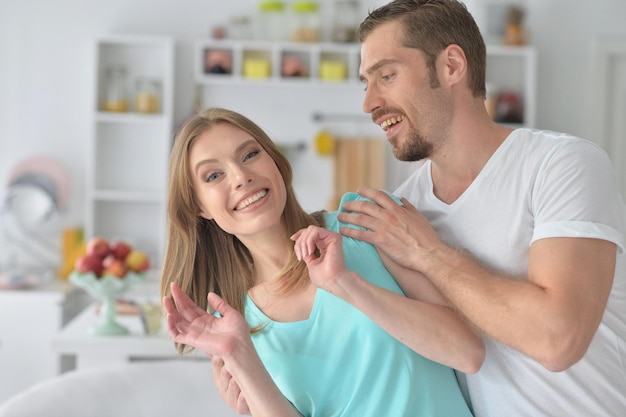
(431, 329)
(227, 337)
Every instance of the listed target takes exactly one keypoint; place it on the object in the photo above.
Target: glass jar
(239, 28)
(271, 21)
(347, 18)
(147, 95)
(116, 92)
(305, 22)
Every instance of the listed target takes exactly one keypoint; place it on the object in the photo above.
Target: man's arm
(429, 328)
(551, 315)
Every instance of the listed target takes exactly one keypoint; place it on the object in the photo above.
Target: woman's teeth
(256, 197)
(385, 125)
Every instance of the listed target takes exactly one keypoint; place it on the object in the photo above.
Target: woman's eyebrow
(239, 148)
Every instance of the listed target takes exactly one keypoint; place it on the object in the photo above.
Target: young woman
(301, 329)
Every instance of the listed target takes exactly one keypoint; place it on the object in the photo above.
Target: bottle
(115, 94)
(239, 28)
(271, 21)
(147, 95)
(346, 22)
(305, 22)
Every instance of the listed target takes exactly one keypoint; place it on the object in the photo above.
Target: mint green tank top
(338, 362)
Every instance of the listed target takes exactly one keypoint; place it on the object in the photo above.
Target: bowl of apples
(106, 271)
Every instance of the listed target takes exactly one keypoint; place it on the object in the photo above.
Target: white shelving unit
(508, 68)
(311, 55)
(514, 68)
(129, 151)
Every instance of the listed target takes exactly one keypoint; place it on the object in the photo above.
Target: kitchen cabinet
(277, 63)
(132, 135)
(29, 320)
(510, 69)
(513, 69)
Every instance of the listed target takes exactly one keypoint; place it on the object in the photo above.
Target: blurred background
(71, 168)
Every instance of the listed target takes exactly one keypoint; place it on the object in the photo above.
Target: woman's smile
(254, 198)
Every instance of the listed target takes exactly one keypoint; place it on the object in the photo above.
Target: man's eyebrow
(377, 66)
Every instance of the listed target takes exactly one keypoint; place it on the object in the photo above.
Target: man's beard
(414, 149)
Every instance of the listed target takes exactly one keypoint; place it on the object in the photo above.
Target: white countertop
(92, 350)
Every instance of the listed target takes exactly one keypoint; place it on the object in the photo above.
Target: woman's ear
(204, 214)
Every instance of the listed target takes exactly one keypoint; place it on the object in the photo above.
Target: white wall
(46, 71)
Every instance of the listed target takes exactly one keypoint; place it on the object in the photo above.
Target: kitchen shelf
(325, 63)
(129, 150)
(509, 68)
(514, 69)
(130, 117)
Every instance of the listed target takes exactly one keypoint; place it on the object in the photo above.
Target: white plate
(13, 280)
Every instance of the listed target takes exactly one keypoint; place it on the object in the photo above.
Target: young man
(520, 230)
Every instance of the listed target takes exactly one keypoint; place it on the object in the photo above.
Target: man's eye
(251, 154)
(387, 77)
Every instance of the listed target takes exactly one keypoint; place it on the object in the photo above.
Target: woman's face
(235, 181)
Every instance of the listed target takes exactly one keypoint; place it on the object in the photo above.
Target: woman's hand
(228, 388)
(190, 325)
(242, 379)
(322, 251)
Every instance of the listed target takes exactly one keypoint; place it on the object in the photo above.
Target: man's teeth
(256, 197)
(391, 121)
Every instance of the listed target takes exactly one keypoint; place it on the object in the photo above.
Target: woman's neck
(271, 253)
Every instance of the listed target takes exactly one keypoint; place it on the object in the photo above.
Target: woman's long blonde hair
(200, 256)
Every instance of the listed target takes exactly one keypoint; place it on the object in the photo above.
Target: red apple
(89, 263)
(108, 260)
(99, 247)
(137, 261)
(115, 267)
(120, 249)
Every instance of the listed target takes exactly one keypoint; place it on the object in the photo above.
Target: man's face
(402, 95)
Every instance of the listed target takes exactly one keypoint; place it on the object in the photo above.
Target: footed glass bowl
(106, 289)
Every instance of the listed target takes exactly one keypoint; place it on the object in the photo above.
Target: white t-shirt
(538, 184)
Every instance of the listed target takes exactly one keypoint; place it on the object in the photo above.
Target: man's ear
(455, 64)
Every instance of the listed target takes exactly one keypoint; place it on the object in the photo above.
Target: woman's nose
(241, 176)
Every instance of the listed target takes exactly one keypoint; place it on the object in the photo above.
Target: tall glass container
(271, 21)
(305, 22)
(346, 20)
(116, 90)
(147, 95)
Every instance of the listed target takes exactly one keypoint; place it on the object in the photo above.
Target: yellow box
(256, 68)
(333, 70)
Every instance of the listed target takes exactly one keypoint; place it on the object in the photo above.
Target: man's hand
(228, 388)
(399, 232)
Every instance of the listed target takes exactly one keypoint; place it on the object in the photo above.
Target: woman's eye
(212, 177)
(250, 154)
